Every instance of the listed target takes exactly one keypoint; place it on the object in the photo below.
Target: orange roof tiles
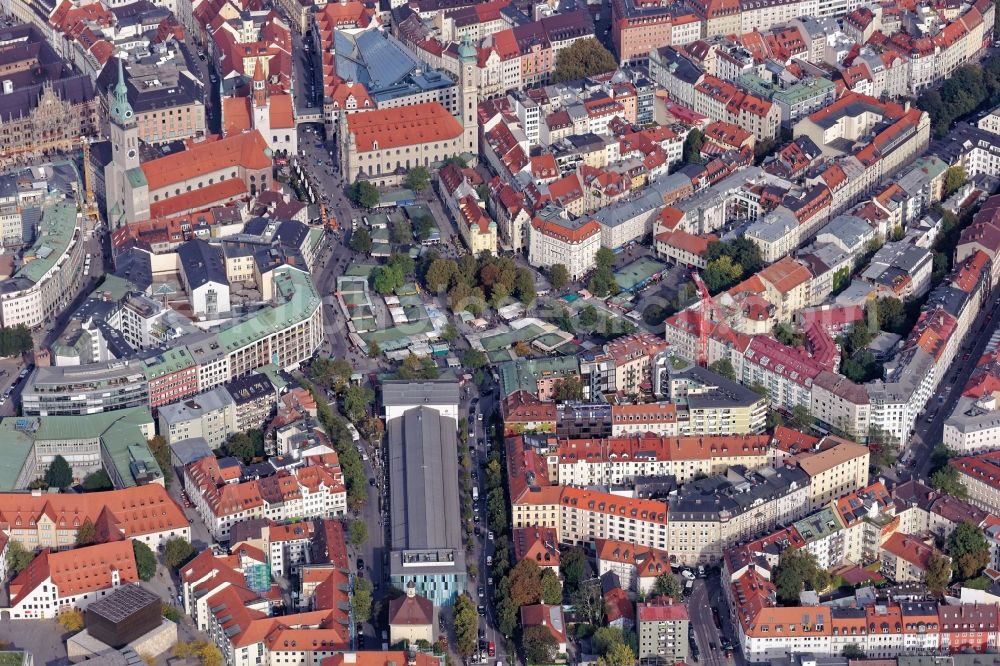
(128, 513)
(656, 447)
(650, 412)
(222, 192)
(670, 217)
(984, 468)
(77, 571)
(682, 240)
(544, 166)
(661, 610)
(727, 134)
(536, 543)
(566, 189)
(969, 274)
(565, 234)
(785, 275)
(247, 150)
(235, 115)
(405, 126)
(649, 562)
(345, 14)
(280, 112)
(523, 407)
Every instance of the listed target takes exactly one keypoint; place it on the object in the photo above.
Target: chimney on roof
(411, 590)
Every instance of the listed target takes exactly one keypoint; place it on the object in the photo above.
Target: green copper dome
(466, 51)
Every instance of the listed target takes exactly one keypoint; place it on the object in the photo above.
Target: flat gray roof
(424, 501)
(402, 393)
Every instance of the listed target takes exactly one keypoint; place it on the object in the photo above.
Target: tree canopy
(947, 480)
(357, 399)
(588, 601)
(574, 567)
(938, 573)
(797, 570)
(466, 626)
(667, 585)
(852, 651)
(539, 645)
(18, 557)
(59, 474)
(954, 178)
(361, 240)
(731, 261)
(15, 340)
(418, 179)
(692, 147)
(363, 194)
(558, 276)
(969, 87)
(239, 445)
(357, 533)
(801, 418)
(350, 459)
(331, 373)
(619, 655)
(969, 550)
(145, 561)
(98, 480)
(361, 600)
(570, 388)
(583, 58)
(158, 447)
(71, 620)
(177, 552)
(472, 282)
(723, 367)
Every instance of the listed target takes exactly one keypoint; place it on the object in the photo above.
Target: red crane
(707, 305)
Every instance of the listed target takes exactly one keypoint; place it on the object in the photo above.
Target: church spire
(259, 85)
(121, 110)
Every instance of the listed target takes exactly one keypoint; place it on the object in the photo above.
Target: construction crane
(708, 305)
(88, 181)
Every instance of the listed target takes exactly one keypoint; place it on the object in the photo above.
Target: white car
(687, 574)
(490, 536)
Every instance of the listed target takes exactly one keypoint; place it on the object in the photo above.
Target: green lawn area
(980, 583)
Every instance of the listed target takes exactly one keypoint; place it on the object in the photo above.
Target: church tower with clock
(127, 193)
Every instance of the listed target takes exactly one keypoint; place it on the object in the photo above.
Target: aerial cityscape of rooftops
(499, 332)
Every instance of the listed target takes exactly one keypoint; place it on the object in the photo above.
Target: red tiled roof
(405, 126)
(909, 548)
(218, 193)
(245, 150)
(580, 233)
(661, 611)
(124, 514)
(77, 571)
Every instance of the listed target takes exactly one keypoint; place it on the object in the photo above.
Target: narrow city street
(928, 431)
(705, 596)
